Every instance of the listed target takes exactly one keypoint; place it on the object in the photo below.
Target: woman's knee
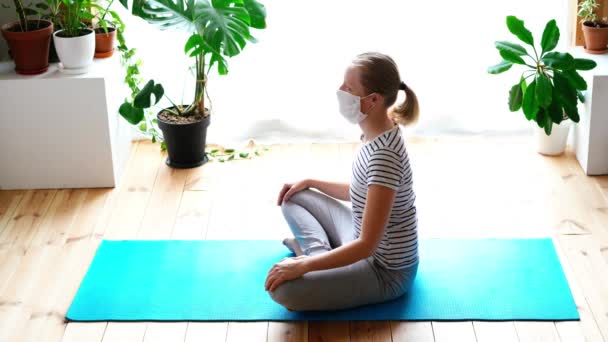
(300, 198)
(308, 196)
(285, 296)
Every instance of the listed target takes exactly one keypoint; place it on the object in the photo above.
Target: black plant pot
(185, 143)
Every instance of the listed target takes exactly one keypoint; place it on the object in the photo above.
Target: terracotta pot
(596, 38)
(104, 42)
(29, 49)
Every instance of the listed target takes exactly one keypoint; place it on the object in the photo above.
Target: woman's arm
(340, 191)
(375, 217)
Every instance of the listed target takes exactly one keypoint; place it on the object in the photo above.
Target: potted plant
(218, 29)
(51, 10)
(552, 96)
(105, 32)
(595, 31)
(75, 43)
(29, 41)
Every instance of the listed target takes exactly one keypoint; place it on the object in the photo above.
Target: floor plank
(537, 332)
(124, 332)
(247, 331)
(591, 271)
(166, 332)
(370, 331)
(211, 332)
(9, 201)
(495, 331)
(288, 331)
(412, 331)
(454, 331)
(320, 331)
(26, 220)
(90, 332)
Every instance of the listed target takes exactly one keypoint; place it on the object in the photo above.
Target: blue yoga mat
(488, 279)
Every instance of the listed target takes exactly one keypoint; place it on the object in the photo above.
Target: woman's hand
(286, 269)
(290, 189)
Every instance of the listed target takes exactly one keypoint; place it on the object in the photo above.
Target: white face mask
(350, 106)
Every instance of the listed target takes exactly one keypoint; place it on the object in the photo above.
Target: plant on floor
(553, 94)
(218, 29)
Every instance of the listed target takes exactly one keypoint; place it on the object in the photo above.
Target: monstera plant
(550, 86)
(218, 29)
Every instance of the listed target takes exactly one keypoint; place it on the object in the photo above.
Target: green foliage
(218, 29)
(586, 10)
(74, 15)
(556, 85)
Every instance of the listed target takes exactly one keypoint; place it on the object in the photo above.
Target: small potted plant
(51, 10)
(29, 41)
(75, 43)
(595, 31)
(217, 29)
(108, 22)
(551, 98)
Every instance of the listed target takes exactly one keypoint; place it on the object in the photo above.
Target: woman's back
(384, 161)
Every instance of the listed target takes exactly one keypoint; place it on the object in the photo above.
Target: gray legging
(320, 223)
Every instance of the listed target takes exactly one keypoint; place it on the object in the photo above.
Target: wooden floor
(466, 187)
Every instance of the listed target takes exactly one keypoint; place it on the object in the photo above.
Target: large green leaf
(548, 124)
(131, 114)
(544, 91)
(508, 46)
(577, 81)
(167, 14)
(559, 60)
(540, 118)
(515, 97)
(584, 64)
(530, 106)
(517, 27)
(511, 57)
(555, 110)
(225, 25)
(550, 36)
(572, 113)
(143, 99)
(222, 65)
(567, 93)
(257, 13)
(197, 45)
(500, 67)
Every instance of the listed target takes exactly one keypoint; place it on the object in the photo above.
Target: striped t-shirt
(384, 161)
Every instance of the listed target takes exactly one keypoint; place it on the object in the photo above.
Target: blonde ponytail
(406, 113)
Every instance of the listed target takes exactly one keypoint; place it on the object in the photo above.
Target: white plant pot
(554, 144)
(75, 53)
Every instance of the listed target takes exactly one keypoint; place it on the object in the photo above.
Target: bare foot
(293, 245)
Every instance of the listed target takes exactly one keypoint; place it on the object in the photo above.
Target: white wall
(284, 86)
